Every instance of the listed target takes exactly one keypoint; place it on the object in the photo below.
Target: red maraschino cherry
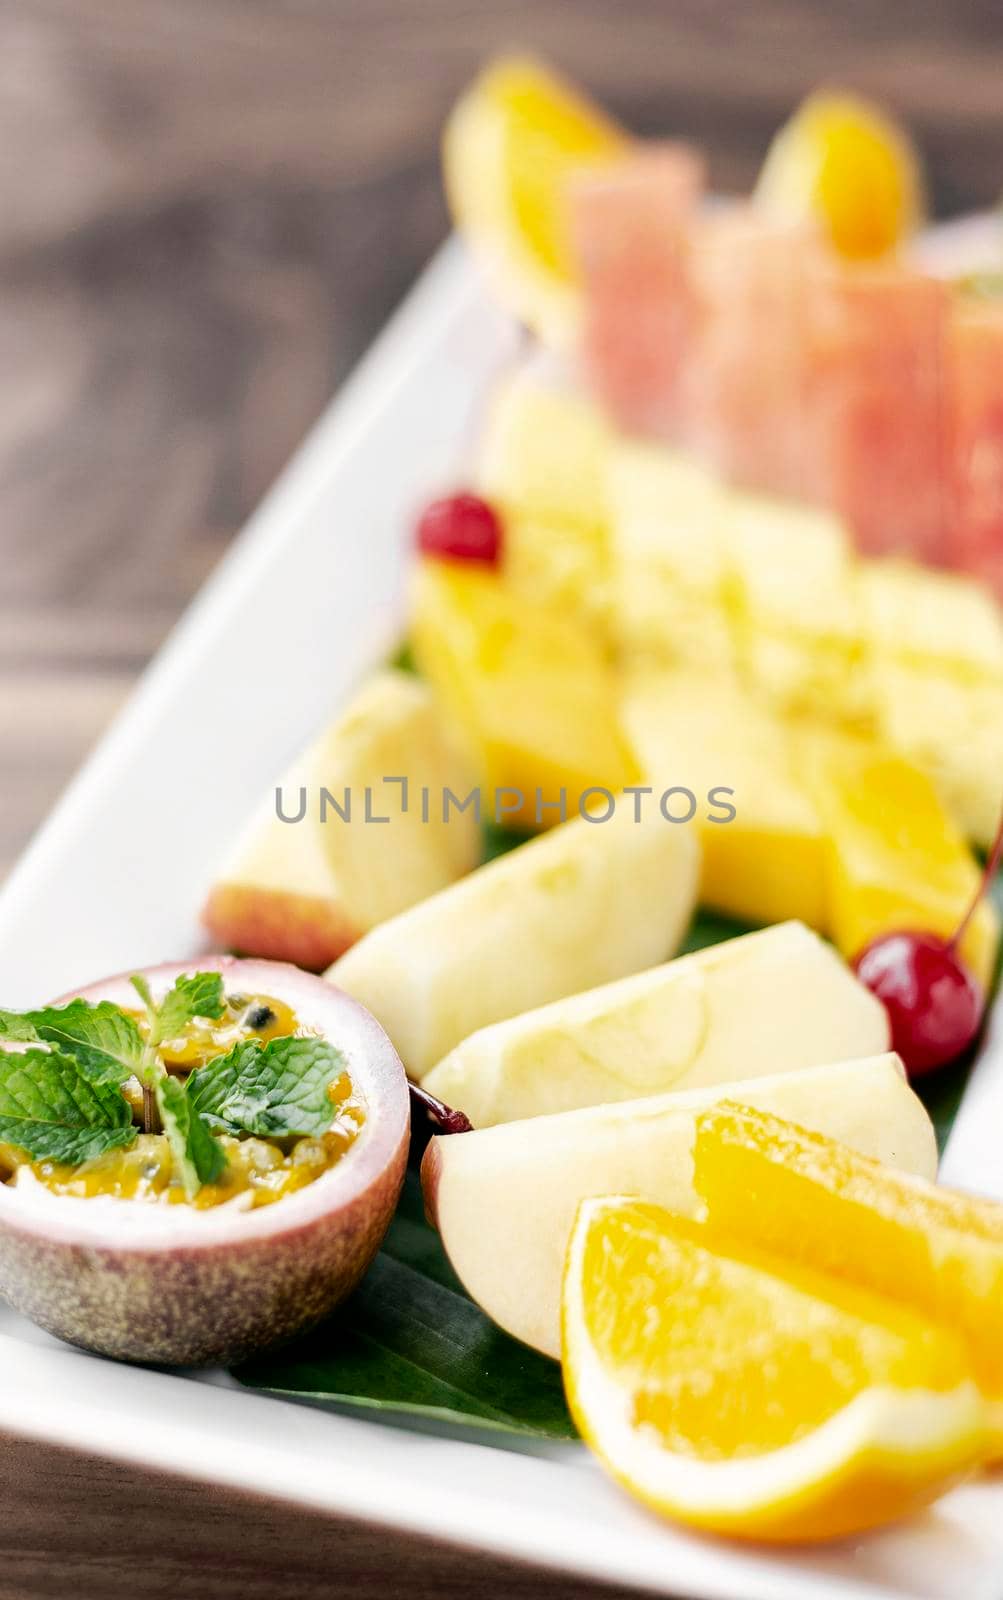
(935, 1006)
(462, 527)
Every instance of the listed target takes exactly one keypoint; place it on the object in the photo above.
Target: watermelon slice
(745, 376)
(975, 369)
(631, 227)
(874, 405)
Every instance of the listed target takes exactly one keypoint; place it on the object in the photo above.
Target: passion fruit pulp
(180, 1286)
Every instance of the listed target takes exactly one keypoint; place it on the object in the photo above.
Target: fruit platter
(543, 1053)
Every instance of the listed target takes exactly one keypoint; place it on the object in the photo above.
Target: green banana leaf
(411, 1341)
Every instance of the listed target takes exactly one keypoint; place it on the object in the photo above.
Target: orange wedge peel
(748, 1395)
(511, 146)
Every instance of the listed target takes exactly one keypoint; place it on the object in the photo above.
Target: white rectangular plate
(309, 598)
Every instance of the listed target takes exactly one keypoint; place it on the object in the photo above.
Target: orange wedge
(936, 1250)
(751, 1396)
(511, 146)
(843, 163)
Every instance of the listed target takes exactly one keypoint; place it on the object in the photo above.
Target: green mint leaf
(195, 994)
(198, 1156)
(101, 1038)
(271, 1090)
(142, 988)
(53, 1111)
(18, 1027)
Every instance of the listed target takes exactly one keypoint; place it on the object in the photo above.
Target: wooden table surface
(207, 209)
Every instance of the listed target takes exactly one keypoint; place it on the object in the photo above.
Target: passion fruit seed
(461, 527)
(935, 1006)
(259, 1017)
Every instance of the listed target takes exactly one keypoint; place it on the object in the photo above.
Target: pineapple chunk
(931, 619)
(542, 465)
(707, 733)
(559, 565)
(665, 558)
(952, 727)
(791, 586)
(896, 860)
(528, 689)
(544, 452)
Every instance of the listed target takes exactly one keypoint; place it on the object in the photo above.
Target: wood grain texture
(100, 1531)
(207, 208)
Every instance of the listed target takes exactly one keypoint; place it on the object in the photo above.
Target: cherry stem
(989, 872)
(445, 1118)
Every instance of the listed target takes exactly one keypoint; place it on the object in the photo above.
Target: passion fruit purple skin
(180, 1287)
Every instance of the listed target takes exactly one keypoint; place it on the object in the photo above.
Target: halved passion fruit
(118, 1254)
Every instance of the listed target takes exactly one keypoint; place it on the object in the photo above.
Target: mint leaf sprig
(197, 1154)
(198, 1157)
(52, 1110)
(103, 1039)
(61, 1100)
(93, 1047)
(106, 1041)
(277, 1090)
(194, 994)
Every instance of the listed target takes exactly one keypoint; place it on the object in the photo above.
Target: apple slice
(768, 1002)
(304, 891)
(587, 902)
(504, 1199)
